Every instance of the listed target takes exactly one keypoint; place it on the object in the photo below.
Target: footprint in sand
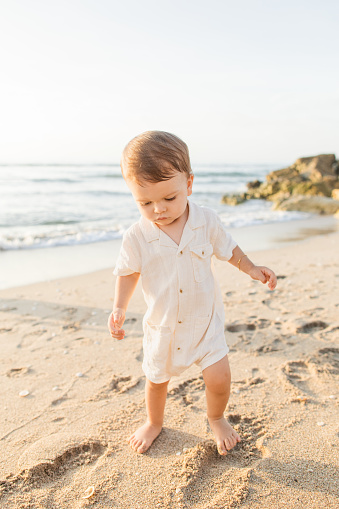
(256, 381)
(259, 323)
(72, 327)
(58, 452)
(189, 391)
(326, 361)
(274, 346)
(47, 460)
(117, 385)
(299, 374)
(224, 479)
(313, 326)
(251, 429)
(18, 371)
(249, 383)
(240, 327)
(314, 374)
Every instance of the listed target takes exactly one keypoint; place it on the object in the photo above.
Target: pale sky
(251, 81)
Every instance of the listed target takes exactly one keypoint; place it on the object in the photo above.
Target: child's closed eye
(170, 199)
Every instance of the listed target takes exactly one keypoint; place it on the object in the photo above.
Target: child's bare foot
(226, 437)
(144, 436)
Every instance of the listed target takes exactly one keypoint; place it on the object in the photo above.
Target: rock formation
(298, 187)
(316, 204)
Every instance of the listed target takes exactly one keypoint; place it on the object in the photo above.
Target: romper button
(180, 252)
(179, 321)
(179, 348)
(203, 252)
(180, 290)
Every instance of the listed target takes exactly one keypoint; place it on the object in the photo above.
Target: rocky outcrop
(314, 168)
(233, 199)
(315, 204)
(297, 186)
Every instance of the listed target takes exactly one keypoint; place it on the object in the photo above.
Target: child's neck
(175, 229)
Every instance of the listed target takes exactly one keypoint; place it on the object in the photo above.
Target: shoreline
(23, 267)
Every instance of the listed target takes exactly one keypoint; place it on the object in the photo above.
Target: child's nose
(159, 207)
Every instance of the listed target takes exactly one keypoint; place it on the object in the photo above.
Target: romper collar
(196, 218)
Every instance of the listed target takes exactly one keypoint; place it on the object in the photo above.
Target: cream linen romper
(184, 322)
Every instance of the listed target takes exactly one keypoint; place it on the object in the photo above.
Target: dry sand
(86, 396)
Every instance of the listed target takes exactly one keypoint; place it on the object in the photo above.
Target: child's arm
(243, 263)
(124, 288)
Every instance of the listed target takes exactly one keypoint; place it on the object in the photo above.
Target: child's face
(162, 202)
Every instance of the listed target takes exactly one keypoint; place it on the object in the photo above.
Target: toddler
(171, 247)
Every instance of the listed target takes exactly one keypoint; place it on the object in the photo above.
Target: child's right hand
(115, 322)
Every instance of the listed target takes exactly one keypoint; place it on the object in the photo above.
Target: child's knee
(219, 384)
(218, 376)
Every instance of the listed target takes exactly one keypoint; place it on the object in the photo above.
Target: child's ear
(190, 185)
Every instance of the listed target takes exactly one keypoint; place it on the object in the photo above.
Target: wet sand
(23, 267)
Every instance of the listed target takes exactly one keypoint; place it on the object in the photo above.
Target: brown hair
(155, 156)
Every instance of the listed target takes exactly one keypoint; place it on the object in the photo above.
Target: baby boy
(171, 248)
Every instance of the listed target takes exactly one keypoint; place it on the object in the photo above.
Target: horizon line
(118, 164)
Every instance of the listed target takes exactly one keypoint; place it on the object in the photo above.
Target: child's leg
(155, 395)
(218, 383)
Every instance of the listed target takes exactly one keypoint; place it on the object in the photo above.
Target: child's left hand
(265, 275)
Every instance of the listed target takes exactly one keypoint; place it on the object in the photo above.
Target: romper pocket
(157, 346)
(201, 260)
(201, 327)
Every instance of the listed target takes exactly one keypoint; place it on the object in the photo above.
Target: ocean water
(61, 205)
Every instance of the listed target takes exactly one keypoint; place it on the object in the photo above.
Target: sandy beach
(71, 396)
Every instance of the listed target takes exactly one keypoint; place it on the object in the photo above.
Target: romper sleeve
(129, 259)
(223, 242)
